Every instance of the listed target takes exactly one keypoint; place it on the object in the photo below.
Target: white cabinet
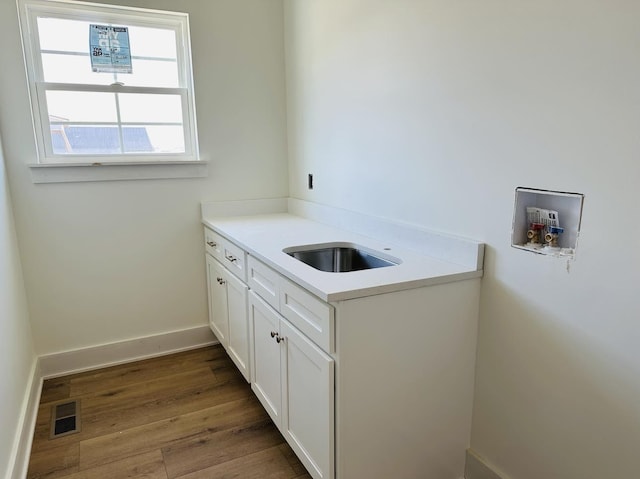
(213, 243)
(234, 258)
(228, 254)
(294, 380)
(228, 300)
(308, 401)
(373, 386)
(218, 310)
(291, 374)
(312, 316)
(238, 343)
(266, 365)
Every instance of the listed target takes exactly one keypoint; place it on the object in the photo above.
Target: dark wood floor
(190, 415)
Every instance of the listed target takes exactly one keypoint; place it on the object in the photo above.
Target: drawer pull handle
(212, 244)
(233, 259)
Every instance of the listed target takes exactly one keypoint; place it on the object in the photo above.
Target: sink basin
(340, 257)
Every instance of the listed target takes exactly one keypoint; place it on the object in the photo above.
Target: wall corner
(477, 468)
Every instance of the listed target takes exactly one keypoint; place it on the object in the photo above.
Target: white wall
(109, 261)
(433, 112)
(17, 356)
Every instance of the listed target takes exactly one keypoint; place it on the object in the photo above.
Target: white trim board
(21, 450)
(68, 173)
(104, 355)
(477, 468)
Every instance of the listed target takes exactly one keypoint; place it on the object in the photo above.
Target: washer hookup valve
(534, 233)
(551, 238)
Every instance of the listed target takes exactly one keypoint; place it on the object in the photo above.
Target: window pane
(141, 108)
(151, 73)
(81, 106)
(73, 36)
(72, 69)
(69, 139)
(152, 42)
(136, 139)
(156, 139)
(85, 140)
(63, 35)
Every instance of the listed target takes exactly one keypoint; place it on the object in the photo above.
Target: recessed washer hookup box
(546, 222)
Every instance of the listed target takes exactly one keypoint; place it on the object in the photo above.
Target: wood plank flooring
(189, 415)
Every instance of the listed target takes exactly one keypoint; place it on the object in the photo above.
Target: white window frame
(29, 11)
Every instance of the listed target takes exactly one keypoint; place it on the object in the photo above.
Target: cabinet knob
(212, 244)
(220, 280)
(277, 336)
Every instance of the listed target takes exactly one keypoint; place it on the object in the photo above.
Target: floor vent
(65, 418)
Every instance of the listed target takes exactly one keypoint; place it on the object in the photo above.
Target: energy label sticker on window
(109, 49)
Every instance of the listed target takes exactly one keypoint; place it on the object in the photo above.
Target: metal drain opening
(65, 418)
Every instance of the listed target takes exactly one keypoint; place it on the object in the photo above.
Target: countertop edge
(395, 287)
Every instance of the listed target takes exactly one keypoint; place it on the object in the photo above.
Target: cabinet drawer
(312, 316)
(264, 281)
(213, 243)
(234, 259)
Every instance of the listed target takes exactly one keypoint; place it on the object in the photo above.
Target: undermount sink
(340, 257)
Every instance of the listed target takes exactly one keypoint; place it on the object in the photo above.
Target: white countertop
(265, 236)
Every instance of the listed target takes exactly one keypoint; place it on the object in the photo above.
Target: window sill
(80, 172)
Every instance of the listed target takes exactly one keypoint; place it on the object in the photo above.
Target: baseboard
(104, 355)
(26, 426)
(477, 468)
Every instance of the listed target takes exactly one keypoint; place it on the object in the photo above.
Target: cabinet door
(265, 356)
(218, 312)
(238, 344)
(308, 401)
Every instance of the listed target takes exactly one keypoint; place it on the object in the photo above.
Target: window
(108, 84)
